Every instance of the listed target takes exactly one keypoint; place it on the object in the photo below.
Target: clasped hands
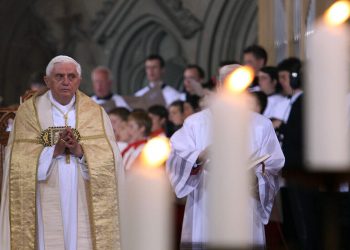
(67, 142)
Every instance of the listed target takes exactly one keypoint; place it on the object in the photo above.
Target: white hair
(226, 70)
(105, 70)
(62, 59)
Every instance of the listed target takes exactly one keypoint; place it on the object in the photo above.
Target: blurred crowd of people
(159, 109)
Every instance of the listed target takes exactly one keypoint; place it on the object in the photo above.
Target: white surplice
(68, 179)
(118, 100)
(131, 152)
(194, 137)
(283, 108)
(277, 106)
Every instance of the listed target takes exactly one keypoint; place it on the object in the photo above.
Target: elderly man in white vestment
(61, 170)
(190, 146)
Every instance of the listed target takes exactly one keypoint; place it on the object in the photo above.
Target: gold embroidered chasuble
(18, 207)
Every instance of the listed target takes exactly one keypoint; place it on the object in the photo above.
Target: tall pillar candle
(328, 80)
(149, 201)
(229, 215)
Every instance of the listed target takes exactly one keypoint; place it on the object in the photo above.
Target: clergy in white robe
(60, 189)
(154, 67)
(102, 84)
(189, 180)
(194, 137)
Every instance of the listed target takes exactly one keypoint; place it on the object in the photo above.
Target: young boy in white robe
(159, 116)
(277, 103)
(190, 147)
(119, 120)
(139, 128)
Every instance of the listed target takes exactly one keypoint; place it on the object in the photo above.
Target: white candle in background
(149, 200)
(229, 183)
(328, 80)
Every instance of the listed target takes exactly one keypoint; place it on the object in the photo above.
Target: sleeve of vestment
(268, 182)
(45, 163)
(182, 158)
(119, 172)
(84, 167)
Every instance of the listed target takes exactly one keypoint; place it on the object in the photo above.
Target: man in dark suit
(301, 207)
(289, 74)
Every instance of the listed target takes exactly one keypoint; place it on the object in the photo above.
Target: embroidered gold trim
(77, 99)
(22, 229)
(10, 187)
(36, 111)
(36, 141)
(36, 173)
(114, 162)
(49, 136)
(89, 191)
(90, 206)
(91, 137)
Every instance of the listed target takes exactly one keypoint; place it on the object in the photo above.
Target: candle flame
(239, 79)
(338, 13)
(155, 152)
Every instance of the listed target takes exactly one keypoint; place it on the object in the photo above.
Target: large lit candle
(148, 200)
(229, 183)
(328, 80)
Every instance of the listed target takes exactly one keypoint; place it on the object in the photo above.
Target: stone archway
(147, 36)
(228, 29)
(129, 30)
